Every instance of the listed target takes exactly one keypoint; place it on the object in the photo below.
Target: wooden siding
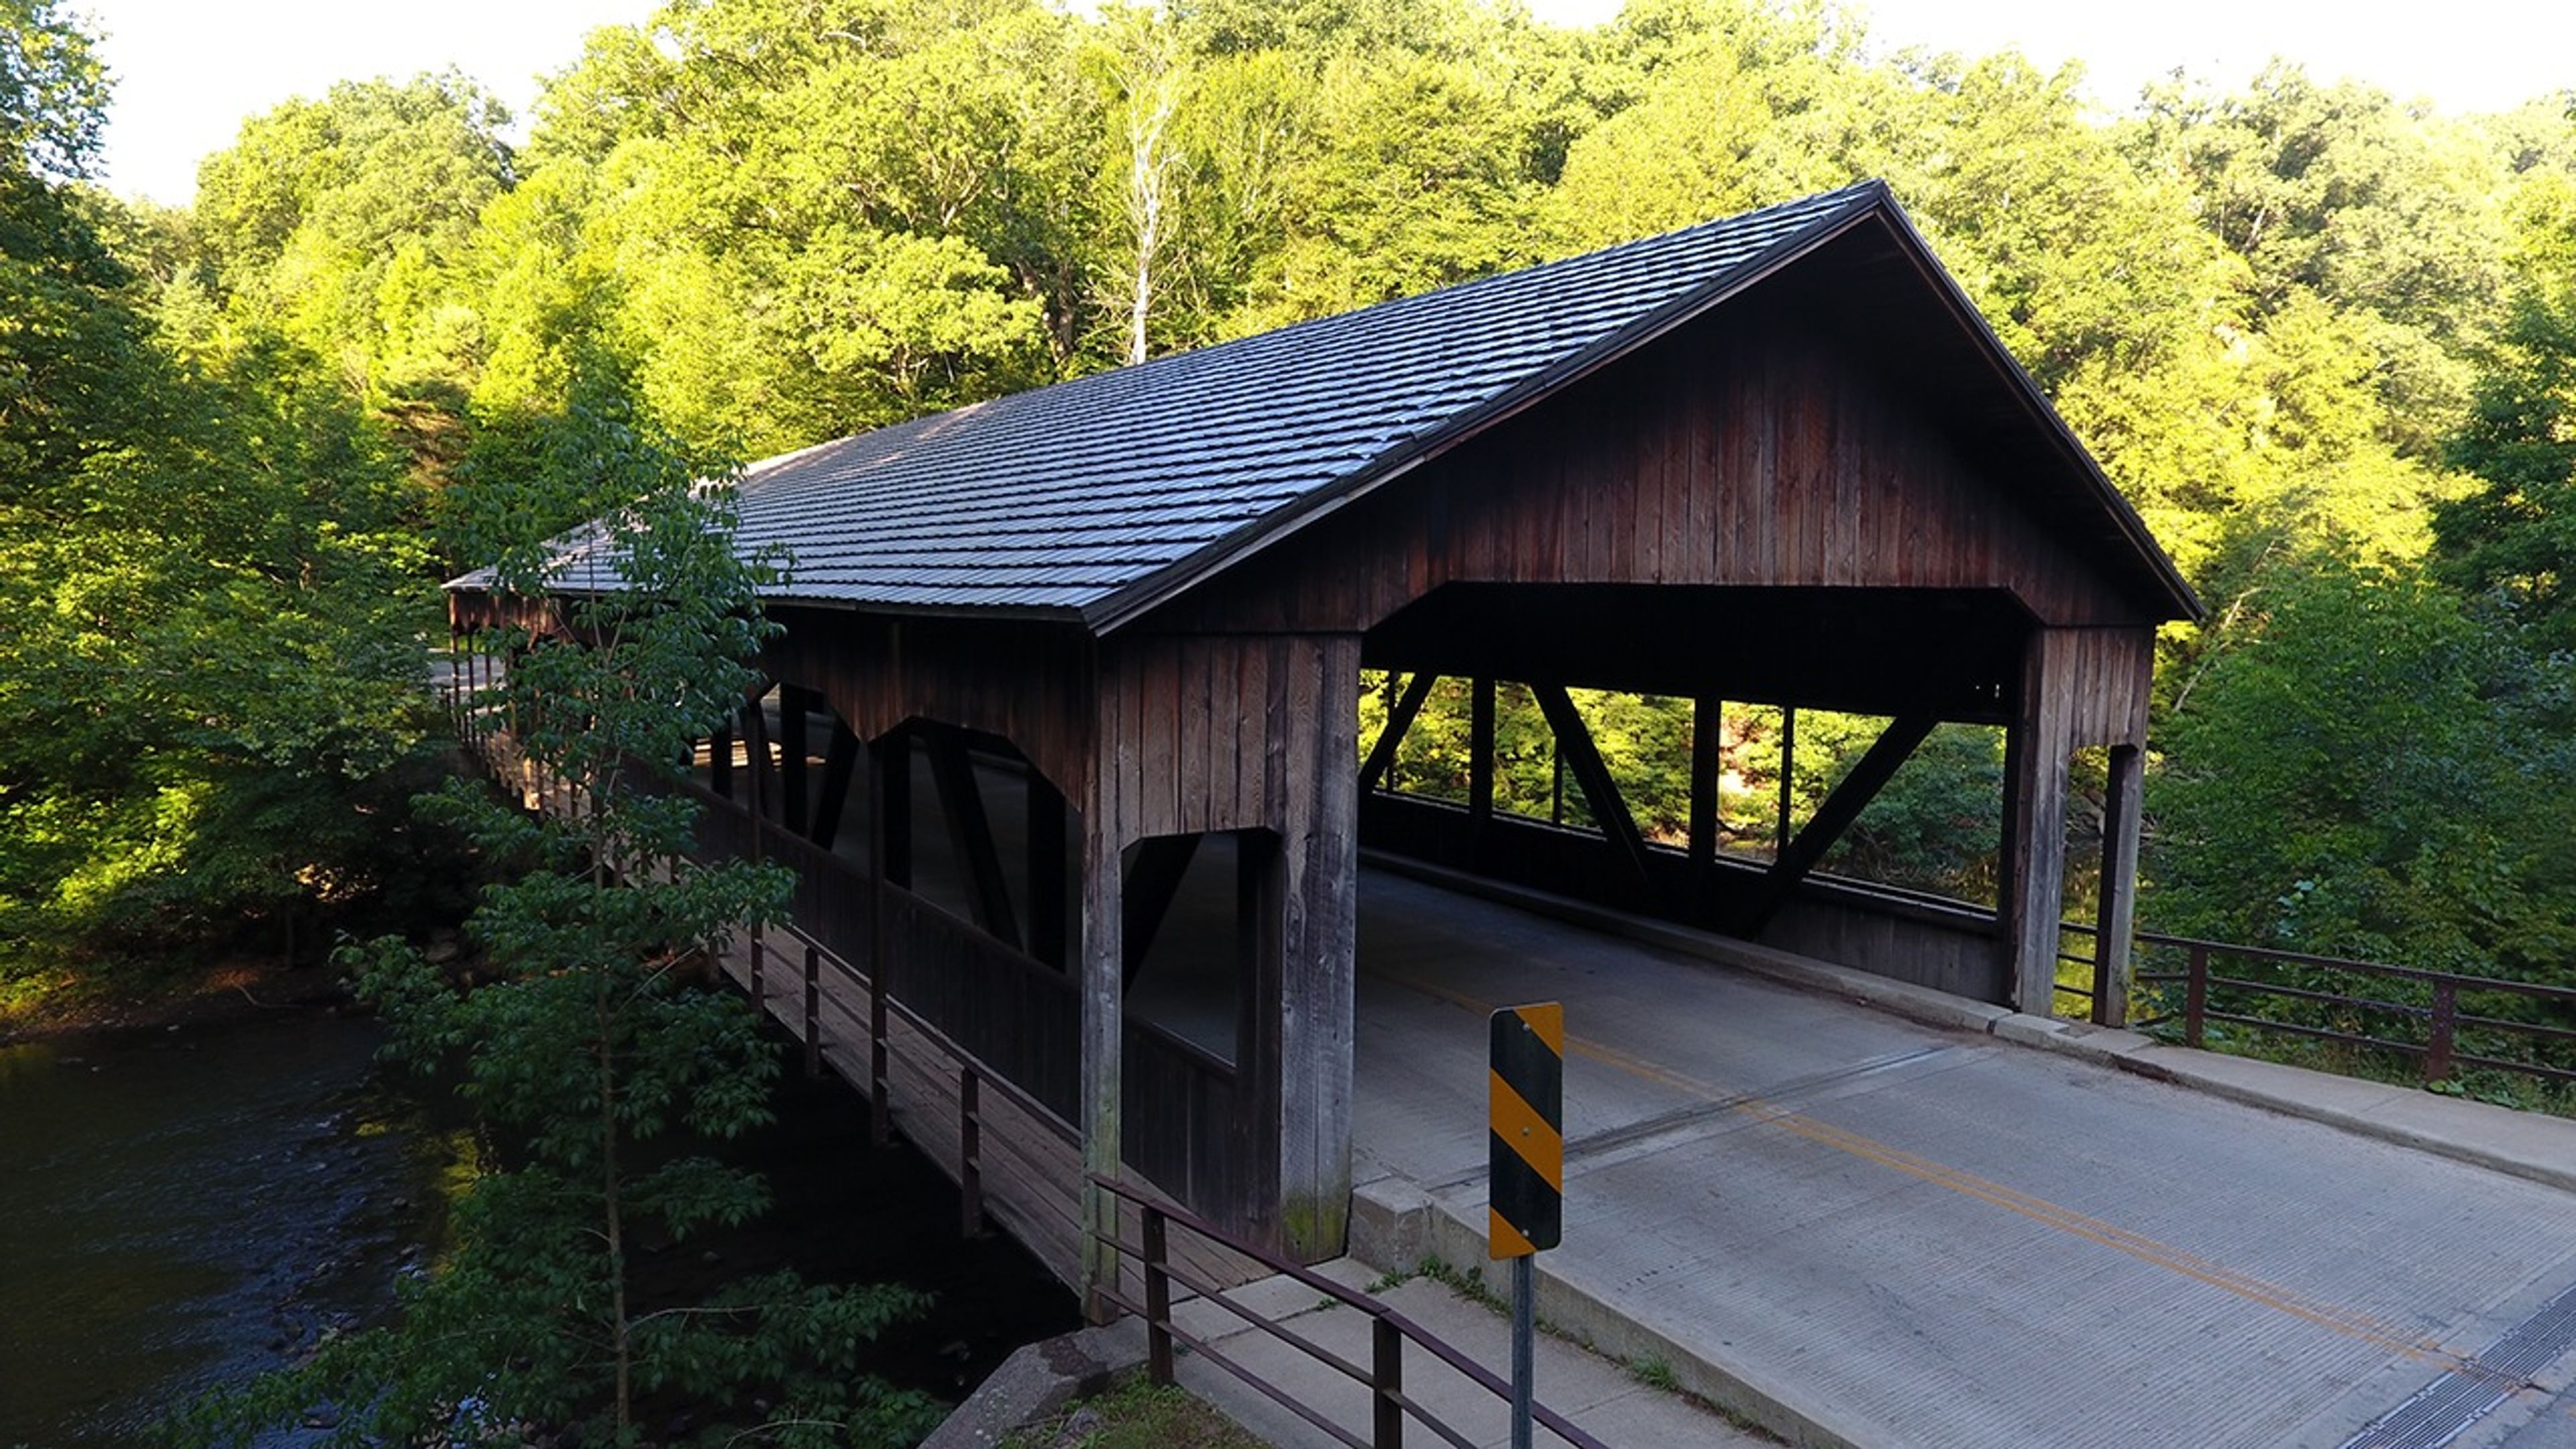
(1028, 683)
(1744, 451)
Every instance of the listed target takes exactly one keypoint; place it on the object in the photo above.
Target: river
(184, 1208)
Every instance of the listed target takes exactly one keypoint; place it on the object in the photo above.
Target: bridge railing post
(2195, 1000)
(759, 998)
(813, 1012)
(880, 1119)
(2446, 1025)
(970, 1153)
(1158, 1299)
(1386, 1386)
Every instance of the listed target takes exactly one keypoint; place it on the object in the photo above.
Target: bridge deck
(1935, 1238)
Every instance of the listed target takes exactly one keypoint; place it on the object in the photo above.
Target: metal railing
(2456, 1022)
(1390, 1331)
(974, 1077)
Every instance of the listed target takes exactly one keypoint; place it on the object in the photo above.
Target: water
(180, 1210)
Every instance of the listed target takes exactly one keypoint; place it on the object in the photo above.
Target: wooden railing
(1390, 1331)
(2455, 1020)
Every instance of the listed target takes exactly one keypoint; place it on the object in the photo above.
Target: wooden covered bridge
(1065, 728)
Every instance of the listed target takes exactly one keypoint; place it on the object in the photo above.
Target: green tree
(211, 679)
(2514, 536)
(594, 1045)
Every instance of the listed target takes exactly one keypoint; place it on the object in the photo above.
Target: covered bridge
(1039, 650)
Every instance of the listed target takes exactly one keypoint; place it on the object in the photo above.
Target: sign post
(1525, 1167)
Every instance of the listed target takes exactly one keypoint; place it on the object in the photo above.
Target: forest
(2323, 338)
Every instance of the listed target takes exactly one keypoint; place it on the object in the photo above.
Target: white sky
(189, 71)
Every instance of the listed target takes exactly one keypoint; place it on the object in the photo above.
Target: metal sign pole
(1524, 1289)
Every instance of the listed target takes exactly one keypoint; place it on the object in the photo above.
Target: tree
(593, 1044)
(210, 686)
(2513, 537)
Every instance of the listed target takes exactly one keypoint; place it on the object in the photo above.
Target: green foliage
(210, 708)
(53, 91)
(2514, 537)
(595, 1046)
(2354, 775)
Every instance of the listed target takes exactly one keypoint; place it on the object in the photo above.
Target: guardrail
(1390, 1331)
(974, 1077)
(2456, 1022)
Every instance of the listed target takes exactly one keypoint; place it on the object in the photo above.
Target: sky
(189, 71)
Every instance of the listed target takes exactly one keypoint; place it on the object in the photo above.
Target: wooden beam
(1161, 862)
(1574, 745)
(1894, 746)
(1480, 752)
(1780, 831)
(1381, 756)
(840, 760)
(755, 737)
(1708, 723)
(1103, 1006)
(2032, 873)
(720, 762)
(2117, 913)
(1260, 917)
(970, 830)
(1050, 904)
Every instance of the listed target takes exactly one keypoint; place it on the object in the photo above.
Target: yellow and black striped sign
(1527, 1148)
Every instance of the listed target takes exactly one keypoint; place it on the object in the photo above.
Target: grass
(1137, 1415)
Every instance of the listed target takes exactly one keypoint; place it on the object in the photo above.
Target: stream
(185, 1208)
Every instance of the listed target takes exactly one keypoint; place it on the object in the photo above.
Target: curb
(1396, 1219)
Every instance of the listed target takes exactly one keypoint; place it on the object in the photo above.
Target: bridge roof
(1095, 499)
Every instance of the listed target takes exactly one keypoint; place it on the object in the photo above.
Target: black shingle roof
(1063, 497)
(1094, 497)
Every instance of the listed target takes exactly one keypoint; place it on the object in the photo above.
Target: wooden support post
(759, 995)
(1102, 995)
(1381, 755)
(2032, 887)
(1260, 923)
(763, 794)
(880, 960)
(1161, 863)
(1780, 828)
(2116, 920)
(1049, 884)
(1318, 721)
(1609, 811)
(1480, 753)
(720, 762)
(1894, 746)
(970, 1153)
(793, 704)
(970, 830)
(892, 806)
(1708, 723)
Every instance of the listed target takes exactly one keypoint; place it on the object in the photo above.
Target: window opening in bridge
(1189, 983)
(1934, 827)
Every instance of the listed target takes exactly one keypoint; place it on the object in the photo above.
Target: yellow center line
(2349, 1322)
